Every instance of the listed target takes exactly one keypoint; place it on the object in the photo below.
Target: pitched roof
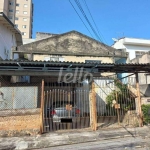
(70, 43)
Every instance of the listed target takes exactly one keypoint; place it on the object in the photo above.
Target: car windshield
(62, 104)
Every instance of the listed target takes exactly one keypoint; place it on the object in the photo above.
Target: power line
(83, 13)
(80, 18)
(93, 19)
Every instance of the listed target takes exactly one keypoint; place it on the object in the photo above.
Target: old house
(47, 58)
(70, 46)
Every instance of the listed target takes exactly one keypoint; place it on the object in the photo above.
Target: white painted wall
(132, 48)
(7, 40)
(131, 45)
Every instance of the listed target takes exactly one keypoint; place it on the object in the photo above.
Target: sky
(114, 18)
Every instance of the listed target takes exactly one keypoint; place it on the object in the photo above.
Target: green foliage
(121, 89)
(120, 86)
(110, 98)
(124, 98)
(146, 115)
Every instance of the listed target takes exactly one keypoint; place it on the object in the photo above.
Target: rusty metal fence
(66, 106)
(18, 97)
(116, 102)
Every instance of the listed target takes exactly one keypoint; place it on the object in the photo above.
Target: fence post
(117, 108)
(93, 111)
(139, 100)
(42, 108)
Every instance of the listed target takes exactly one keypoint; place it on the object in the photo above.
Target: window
(25, 12)
(16, 25)
(47, 58)
(11, 3)
(23, 33)
(10, 10)
(61, 59)
(17, 4)
(10, 17)
(25, 5)
(17, 11)
(53, 58)
(24, 19)
(16, 18)
(24, 26)
(92, 61)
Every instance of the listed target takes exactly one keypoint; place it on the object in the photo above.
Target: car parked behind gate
(63, 111)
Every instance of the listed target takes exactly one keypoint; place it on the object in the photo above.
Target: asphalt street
(128, 143)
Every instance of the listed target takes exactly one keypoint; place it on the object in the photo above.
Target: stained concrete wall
(144, 78)
(20, 124)
(71, 43)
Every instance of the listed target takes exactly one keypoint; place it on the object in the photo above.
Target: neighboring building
(134, 46)
(27, 41)
(39, 36)
(20, 12)
(42, 35)
(144, 78)
(9, 36)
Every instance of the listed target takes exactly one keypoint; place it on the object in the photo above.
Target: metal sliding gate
(116, 103)
(66, 106)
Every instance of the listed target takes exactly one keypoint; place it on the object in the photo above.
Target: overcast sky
(114, 18)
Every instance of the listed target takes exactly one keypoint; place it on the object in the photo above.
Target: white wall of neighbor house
(7, 40)
(133, 48)
(132, 45)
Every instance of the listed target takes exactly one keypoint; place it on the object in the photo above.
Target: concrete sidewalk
(70, 137)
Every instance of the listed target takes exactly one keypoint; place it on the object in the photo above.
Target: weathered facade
(69, 44)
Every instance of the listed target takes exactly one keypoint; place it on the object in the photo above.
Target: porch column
(93, 111)
(31, 56)
(139, 100)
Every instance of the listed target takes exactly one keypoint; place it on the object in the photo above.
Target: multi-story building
(20, 12)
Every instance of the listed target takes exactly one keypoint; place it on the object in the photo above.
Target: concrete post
(93, 111)
(139, 100)
(42, 108)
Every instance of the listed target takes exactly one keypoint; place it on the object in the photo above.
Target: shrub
(125, 99)
(146, 113)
